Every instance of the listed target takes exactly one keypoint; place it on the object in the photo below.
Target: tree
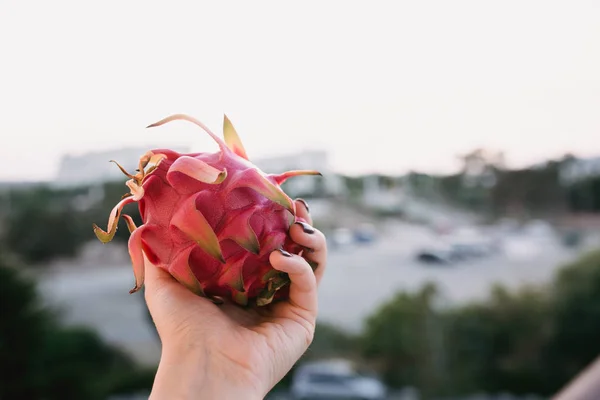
(576, 319)
(403, 337)
(44, 224)
(530, 192)
(495, 345)
(533, 340)
(39, 359)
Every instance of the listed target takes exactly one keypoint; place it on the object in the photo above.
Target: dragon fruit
(209, 219)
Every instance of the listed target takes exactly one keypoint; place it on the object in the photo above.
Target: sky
(383, 86)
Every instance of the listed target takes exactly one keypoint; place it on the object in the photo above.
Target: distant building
(95, 167)
(383, 197)
(579, 169)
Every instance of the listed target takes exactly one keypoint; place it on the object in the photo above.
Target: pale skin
(226, 352)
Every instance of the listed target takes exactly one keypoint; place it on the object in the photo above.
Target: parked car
(434, 256)
(365, 233)
(456, 250)
(341, 237)
(437, 254)
(335, 379)
(466, 250)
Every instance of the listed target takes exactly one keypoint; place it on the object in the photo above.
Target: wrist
(193, 374)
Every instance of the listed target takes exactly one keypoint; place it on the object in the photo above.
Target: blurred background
(460, 147)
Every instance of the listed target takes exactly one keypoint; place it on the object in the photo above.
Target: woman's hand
(228, 352)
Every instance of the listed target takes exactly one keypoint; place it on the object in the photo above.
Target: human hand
(228, 352)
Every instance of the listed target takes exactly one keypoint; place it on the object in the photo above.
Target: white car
(342, 237)
(335, 379)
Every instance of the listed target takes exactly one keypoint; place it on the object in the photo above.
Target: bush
(39, 359)
(497, 345)
(576, 318)
(23, 328)
(534, 340)
(403, 338)
(44, 224)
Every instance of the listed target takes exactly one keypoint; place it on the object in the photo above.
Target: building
(382, 197)
(95, 167)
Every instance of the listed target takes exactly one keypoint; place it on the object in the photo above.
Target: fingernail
(305, 204)
(284, 253)
(306, 228)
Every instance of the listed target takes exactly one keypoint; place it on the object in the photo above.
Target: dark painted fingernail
(306, 228)
(284, 253)
(305, 204)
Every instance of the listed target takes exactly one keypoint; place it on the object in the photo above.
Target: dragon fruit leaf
(240, 298)
(109, 234)
(136, 190)
(237, 228)
(150, 158)
(269, 275)
(233, 275)
(180, 269)
(193, 120)
(255, 180)
(137, 257)
(130, 224)
(196, 169)
(265, 297)
(232, 139)
(281, 178)
(123, 170)
(192, 223)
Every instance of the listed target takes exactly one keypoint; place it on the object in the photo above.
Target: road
(358, 279)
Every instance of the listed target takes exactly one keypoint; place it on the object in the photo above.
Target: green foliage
(534, 340)
(40, 225)
(23, 326)
(576, 318)
(83, 366)
(496, 345)
(39, 359)
(531, 192)
(354, 185)
(585, 195)
(402, 337)
(495, 191)
(331, 341)
(43, 224)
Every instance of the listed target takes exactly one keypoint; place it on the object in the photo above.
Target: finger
(155, 277)
(303, 287)
(303, 211)
(315, 244)
(161, 289)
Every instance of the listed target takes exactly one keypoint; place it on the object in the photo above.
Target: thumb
(155, 277)
(163, 289)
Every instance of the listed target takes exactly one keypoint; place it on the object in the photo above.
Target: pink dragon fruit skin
(209, 219)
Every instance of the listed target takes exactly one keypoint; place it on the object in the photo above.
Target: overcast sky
(384, 86)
